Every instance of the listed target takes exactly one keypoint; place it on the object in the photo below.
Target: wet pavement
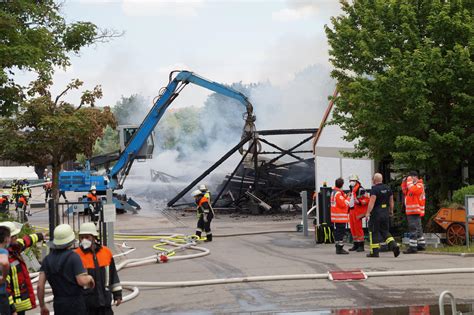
(282, 253)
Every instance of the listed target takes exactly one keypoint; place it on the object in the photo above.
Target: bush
(458, 195)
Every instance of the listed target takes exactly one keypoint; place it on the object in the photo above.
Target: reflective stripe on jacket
(361, 202)
(415, 197)
(339, 206)
(101, 266)
(19, 283)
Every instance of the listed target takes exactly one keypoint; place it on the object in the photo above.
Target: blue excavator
(137, 143)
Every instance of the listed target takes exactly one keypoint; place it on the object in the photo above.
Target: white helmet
(88, 228)
(353, 177)
(203, 188)
(197, 193)
(14, 229)
(93, 187)
(63, 236)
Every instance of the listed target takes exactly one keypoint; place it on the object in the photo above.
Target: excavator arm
(167, 95)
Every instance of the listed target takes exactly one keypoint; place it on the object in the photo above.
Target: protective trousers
(417, 241)
(379, 232)
(356, 227)
(205, 225)
(339, 231)
(69, 305)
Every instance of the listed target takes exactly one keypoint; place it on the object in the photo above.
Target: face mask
(352, 183)
(86, 244)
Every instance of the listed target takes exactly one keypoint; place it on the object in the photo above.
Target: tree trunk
(55, 188)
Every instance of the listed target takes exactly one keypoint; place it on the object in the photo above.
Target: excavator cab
(126, 133)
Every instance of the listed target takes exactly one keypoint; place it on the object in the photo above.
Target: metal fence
(75, 214)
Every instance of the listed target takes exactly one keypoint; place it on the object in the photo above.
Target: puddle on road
(465, 309)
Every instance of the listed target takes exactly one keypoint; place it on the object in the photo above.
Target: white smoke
(299, 104)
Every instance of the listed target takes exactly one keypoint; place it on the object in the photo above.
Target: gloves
(351, 201)
(204, 217)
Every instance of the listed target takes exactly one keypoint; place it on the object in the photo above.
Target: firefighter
(6, 301)
(414, 191)
(4, 203)
(26, 186)
(379, 211)
(19, 282)
(22, 204)
(93, 198)
(48, 187)
(64, 271)
(15, 188)
(206, 192)
(99, 262)
(339, 215)
(204, 214)
(358, 203)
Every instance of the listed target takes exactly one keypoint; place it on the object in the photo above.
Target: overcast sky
(226, 41)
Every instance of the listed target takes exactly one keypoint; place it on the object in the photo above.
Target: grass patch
(452, 249)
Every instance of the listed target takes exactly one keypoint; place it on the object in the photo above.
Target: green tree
(35, 38)
(405, 74)
(49, 131)
(131, 110)
(108, 143)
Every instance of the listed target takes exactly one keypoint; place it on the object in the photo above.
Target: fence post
(304, 211)
(52, 218)
(110, 224)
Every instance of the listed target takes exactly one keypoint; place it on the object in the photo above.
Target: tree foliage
(36, 38)
(49, 131)
(405, 72)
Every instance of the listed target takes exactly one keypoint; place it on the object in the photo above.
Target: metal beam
(286, 132)
(232, 174)
(288, 152)
(284, 152)
(210, 169)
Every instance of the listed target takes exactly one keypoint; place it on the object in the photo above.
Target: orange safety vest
(339, 206)
(92, 197)
(361, 201)
(415, 197)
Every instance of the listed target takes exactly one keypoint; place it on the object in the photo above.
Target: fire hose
(180, 243)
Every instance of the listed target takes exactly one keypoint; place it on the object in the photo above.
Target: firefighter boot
(393, 246)
(354, 247)
(208, 238)
(340, 250)
(198, 234)
(361, 247)
(374, 252)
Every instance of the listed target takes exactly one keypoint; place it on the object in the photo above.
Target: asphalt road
(275, 254)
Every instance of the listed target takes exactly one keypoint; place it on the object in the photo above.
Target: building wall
(331, 164)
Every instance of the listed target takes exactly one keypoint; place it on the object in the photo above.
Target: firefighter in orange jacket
(19, 282)
(91, 209)
(358, 202)
(414, 191)
(100, 264)
(205, 214)
(4, 203)
(339, 215)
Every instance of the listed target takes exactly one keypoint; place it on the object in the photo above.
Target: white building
(331, 164)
